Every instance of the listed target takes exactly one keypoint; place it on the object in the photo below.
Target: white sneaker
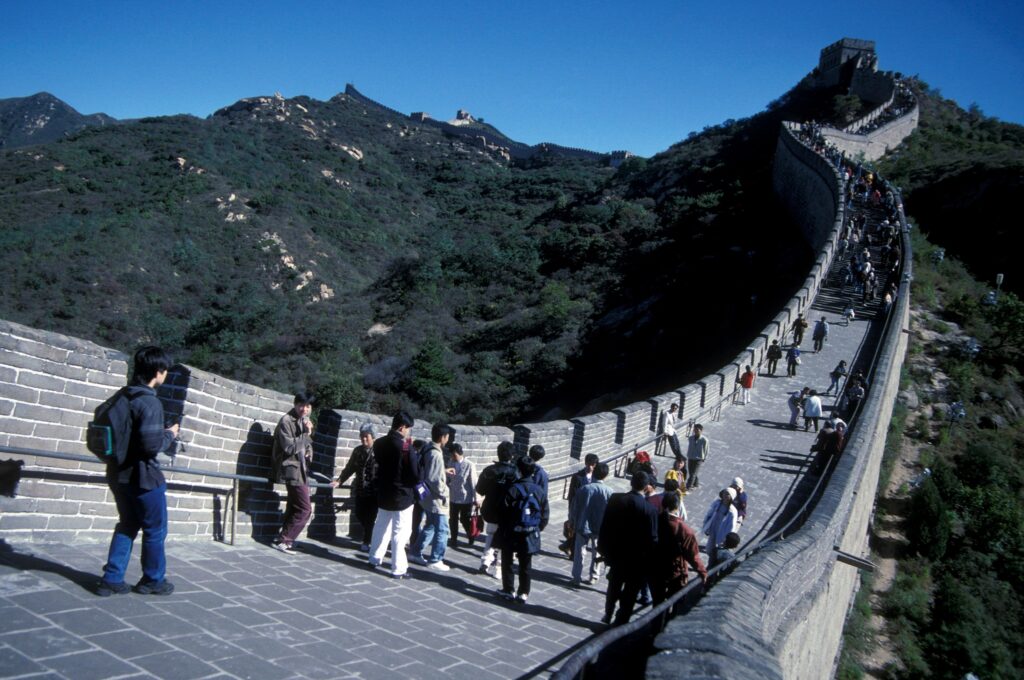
(284, 547)
(438, 566)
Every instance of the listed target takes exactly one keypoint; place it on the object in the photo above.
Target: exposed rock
(992, 421)
(909, 399)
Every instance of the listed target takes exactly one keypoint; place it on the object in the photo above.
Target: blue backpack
(525, 508)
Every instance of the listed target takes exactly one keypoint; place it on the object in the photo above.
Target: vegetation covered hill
(40, 119)
(961, 172)
(289, 242)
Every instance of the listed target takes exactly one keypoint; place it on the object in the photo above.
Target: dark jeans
(807, 423)
(366, 513)
(296, 513)
(459, 512)
(138, 509)
(673, 442)
(692, 479)
(772, 365)
(508, 577)
(624, 584)
(818, 343)
(417, 522)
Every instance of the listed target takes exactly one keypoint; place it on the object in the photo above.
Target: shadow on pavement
(24, 562)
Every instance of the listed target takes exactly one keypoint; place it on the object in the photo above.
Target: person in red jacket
(746, 383)
(677, 548)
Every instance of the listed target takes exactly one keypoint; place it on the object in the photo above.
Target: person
(746, 383)
(741, 500)
(524, 515)
(585, 519)
(812, 410)
(828, 444)
(837, 374)
(461, 483)
(719, 521)
(820, 334)
(668, 429)
(796, 406)
(677, 548)
(579, 479)
(492, 485)
(396, 481)
(536, 454)
(642, 463)
(792, 360)
(678, 474)
(434, 501)
(848, 314)
(627, 540)
(673, 488)
(799, 327)
(138, 486)
(363, 465)
(291, 455)
(696, 454)
(728, 549)
(774, 354)
(854, 395)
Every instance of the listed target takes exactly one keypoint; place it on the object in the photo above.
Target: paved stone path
(251, 612)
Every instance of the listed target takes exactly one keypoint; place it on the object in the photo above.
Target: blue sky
(599, 75)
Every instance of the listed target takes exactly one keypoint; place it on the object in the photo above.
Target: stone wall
(875, 144)
(793, 594)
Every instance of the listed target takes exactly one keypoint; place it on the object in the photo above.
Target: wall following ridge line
(50, 384)
(794, 595)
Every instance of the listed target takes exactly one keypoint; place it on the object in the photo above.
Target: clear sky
(602, 75)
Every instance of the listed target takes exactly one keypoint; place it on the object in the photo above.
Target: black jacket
(492, 484)
(149, 437)
(629, 532)
(395, 477)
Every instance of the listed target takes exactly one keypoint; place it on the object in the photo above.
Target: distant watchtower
(838, 60)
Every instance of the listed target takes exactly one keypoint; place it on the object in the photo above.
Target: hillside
(961, 172)
(290, 241)
(41, 119)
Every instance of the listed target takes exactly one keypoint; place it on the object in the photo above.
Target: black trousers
(624, 584)
(458, 512)
(366, 513)
(508, 579)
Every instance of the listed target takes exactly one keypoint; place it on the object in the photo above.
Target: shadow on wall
(10, 475)
(260, 502)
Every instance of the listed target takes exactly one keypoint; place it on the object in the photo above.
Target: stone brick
(9, 358)
(87, 492)
(20, 393)
(69, 522)
(65, 401)
(14, 522)
(75, 418)
(102, 378)
(32, 348)
(7, 375)
(6, 407)
(89, 391)
(38, 413)
(87, 361)
(47, 431)
(16, 426)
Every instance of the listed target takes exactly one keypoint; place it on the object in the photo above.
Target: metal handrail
(232, 493)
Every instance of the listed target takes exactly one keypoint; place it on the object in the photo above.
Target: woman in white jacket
(720, 520)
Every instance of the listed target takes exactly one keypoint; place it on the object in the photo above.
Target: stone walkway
(251, 612)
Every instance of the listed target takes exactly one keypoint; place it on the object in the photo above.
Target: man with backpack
(135, 418)
(291, 455)
(363, 465)
(524, 515)
(492, 485)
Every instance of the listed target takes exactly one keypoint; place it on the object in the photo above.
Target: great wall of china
(793, 595)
